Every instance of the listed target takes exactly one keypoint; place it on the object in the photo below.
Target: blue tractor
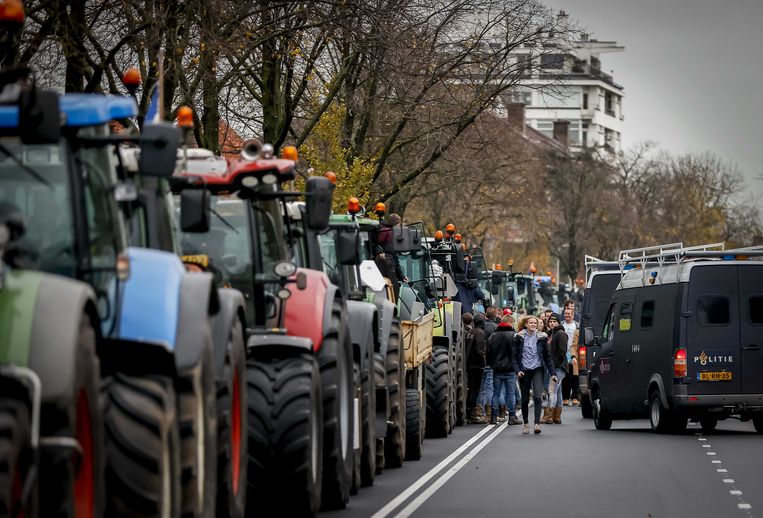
(123, 356)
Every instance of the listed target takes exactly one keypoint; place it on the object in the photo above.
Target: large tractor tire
(73, 487)
(335, 362)
(285, 436)
(453, 392)
(438, 393)
(394, 443)
(231, 428)
(461, 416)
(358, 453)
(380, 380)
(15, 459)
(197, 419)
(414, 425)
(368, 417)
(142, 447)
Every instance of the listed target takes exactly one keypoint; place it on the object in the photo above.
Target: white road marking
(702, 439)
(707, 446)
(728, 480)
(735, 492)
(744, 506)
(722, 470)
(710, 453)
(432, 489)
(402, 497)
(716, 462)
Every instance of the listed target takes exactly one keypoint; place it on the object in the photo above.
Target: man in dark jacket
(490, 323)
(498, 356)
(475, 364)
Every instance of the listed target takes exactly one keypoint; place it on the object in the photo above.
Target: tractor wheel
(453, 390)
(358, 430)
(15, 459)
(380, 380)
(394, 443)
(368, 417)
(231, 428)
(285, 436)
(73, 487)
(142, 447)
(438, 392)
(197, 420)
(461, 416)
(414, 425)
(335, 361)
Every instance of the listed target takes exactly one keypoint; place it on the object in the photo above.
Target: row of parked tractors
(185, 335)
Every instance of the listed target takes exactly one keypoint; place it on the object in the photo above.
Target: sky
(692, 72)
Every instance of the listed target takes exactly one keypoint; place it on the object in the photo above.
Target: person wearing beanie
(558, 351)
(498, 356)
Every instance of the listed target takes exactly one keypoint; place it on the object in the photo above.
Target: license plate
(715, 376)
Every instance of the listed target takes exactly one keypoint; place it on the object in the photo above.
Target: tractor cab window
(35, 182)
(331, 267)
(270, 233)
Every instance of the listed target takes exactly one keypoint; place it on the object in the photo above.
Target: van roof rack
(662, 255)
(594, 264)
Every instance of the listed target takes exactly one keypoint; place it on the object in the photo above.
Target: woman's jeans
(555, 389)
(532, 379)
(503, 384)
(486, 392)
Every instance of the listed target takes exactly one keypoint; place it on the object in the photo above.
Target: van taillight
(582, 357)
(679, 364)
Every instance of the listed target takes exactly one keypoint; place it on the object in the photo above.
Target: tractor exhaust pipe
(251, 149)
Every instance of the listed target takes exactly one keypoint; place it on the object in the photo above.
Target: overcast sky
(692, 72)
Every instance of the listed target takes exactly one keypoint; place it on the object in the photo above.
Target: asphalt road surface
(573, 470)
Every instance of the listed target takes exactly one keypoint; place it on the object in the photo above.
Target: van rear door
(751, 327)
(712, 330)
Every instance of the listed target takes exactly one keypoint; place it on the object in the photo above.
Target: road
(574, 470)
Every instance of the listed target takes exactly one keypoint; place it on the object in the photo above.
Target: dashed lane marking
(730, 481)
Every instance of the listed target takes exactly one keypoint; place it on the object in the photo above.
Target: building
(566, 94)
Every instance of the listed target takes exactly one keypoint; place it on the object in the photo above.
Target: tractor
(123, 394)
(299, 355)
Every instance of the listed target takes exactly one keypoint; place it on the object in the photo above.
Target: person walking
(498, 356)
(475, 366)
(558, 351)
(570, 387)
(530, 358)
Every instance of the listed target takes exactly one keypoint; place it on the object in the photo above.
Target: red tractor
(299, 353)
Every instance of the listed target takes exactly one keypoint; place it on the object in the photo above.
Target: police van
(602, 277)
(682, 339)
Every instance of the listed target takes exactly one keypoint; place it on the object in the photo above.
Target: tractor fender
(150, 298)
(265, 345)
(362, 317)
(18, 297)
(387, 314)
(58, 311)
(304, 314)
(231, 307)
(198, 300)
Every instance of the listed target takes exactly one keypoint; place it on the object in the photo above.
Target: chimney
(516, 116)
(562, 132)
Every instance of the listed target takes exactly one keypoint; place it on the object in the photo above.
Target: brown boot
(501, 413)
(547, 416)
(488, 412)
(557, 415)
(474, 418)
(479, 411)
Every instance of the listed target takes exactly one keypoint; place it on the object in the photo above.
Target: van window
(609, 325)
(713, 310)
(647, 314)
(626, 312)
(756, 309)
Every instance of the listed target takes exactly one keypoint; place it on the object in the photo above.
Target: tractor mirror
(495, 289)
(588, 337)
(158, 149)
(496, 278)
(510, 292)
(318, 203)
(405, 239)
(39, 117)
(194, 210)
(347, 251)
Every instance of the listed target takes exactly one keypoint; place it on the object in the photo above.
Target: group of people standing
(507, 366)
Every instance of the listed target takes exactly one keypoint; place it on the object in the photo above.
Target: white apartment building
(570, 87)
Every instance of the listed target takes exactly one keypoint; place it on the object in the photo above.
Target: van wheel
(708, 423)
(585, 406)
(602, 420)
(757, 422)
(663, 420)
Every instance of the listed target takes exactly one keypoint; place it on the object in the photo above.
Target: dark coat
(475, 345)
(490, 327)
(543, 352)
(558, 348)
(498, 351)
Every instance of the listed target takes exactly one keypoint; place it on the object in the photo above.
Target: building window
(552, 61)
(609, 105)
(585, 101)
